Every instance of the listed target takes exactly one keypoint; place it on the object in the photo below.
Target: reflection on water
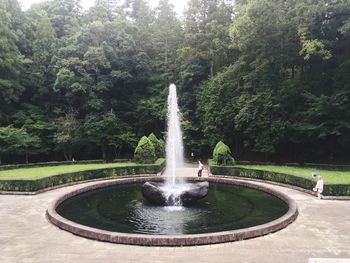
(122, 209)
(170, 220)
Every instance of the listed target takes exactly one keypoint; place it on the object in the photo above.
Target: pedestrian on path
(200, 169)
(319, 187)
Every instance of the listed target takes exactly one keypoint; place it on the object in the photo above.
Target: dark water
(122, 209)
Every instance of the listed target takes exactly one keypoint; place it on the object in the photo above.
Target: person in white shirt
(200, 169)
(319, 187)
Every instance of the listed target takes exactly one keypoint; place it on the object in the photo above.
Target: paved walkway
(322, 230)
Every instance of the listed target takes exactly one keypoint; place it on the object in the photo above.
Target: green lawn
(329, 176)
(41, 172)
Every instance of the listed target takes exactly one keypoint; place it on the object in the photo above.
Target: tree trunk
(236, 146)
(117, 150)
(332, 143)
(211, 62)
(65, 155)
(166, 52)
(26, 155)
(103, 148)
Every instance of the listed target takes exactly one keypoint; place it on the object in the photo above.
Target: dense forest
(271, 78)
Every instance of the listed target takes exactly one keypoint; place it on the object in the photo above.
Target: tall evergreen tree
(10, 61)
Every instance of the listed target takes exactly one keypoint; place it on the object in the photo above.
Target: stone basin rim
(171, 240)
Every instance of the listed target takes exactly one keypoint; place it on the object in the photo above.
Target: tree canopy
(270, 78)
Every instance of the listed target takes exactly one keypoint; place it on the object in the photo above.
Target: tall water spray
(175, 191)
(174, 143)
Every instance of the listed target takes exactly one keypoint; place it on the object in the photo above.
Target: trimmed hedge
(335, 167)
(145, 151)
(329, 189)
(159, 146)
(222, 154)
(35, 185)
(56, 163)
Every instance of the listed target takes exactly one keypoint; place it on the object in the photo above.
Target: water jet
(175, 191)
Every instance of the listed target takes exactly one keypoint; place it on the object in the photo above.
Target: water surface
(122, 209)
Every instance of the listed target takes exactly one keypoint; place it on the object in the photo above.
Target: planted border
(308, 184)
(337, 167)
(54, 180)
(56, 163)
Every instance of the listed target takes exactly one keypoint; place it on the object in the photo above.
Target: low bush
(158, 145)
(56, 163)
(145, 151)
(35, 185)
(222, 154)
(334, 167)
(308, 184)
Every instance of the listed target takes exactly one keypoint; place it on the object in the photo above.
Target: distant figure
(319, 187)
(200, 169)
(73, 160)
(192, 155)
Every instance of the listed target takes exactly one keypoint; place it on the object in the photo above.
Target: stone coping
(172, 240)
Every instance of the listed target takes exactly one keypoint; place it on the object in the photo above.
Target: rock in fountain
(173, 193)
(158, 194)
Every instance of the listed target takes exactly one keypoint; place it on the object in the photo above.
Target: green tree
(39, 54)
(205, 50)
(145, 152)
(37, 127)
(17, 141)
(10, 140)
(106, 131)
(222, 154)
(158, 145)
(68, 135)
(10, 59)
(64, 16)
(167, 38)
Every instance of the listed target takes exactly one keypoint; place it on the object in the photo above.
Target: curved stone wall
(172, 240)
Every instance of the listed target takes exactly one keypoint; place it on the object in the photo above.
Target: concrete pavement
(322, 230)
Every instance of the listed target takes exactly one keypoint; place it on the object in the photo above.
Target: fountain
(175, 191)
(174, 212)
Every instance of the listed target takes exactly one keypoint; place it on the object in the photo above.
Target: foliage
(282, 175)
(145, 151)
(334, 176)
(108, 132)
(272, 101)
(30, 184)
(10, 140)
(158, 144)
(268, 77)
(222, 154)
(10, 58)
(68, 135)
(14, 141)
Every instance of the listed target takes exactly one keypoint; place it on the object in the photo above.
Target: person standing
(319, 187)
(200, 169)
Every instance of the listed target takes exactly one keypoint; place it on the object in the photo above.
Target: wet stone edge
(172, 240)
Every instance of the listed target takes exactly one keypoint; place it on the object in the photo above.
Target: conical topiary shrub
(145, 152)
(222, 154)
(158, 145)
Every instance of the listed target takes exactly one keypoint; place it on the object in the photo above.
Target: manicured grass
(42, 172)
(329, 176)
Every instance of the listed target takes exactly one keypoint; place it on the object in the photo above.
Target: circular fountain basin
(115, 211)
